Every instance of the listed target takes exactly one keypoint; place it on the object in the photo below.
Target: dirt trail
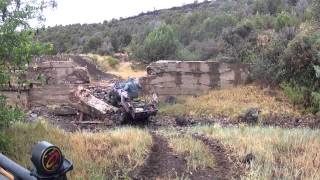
(162, 163)
(93, 70)
(226, 168)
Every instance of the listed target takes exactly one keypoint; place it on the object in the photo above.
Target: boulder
(181, 121)
(249, 158)
(251, 116)
(170, 100)
(32, 117)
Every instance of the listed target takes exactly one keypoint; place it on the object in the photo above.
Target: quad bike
(130, 109)
(47, 159)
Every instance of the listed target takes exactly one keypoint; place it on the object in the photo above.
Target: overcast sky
(95, 11)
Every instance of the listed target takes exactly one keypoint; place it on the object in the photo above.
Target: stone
(249, 158)
(251, 116)
(181, 121)
(170, 100)
(32, 117)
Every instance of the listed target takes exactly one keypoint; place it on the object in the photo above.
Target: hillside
(114, 35)
(201, 30)
(266, 127)
(279, 38)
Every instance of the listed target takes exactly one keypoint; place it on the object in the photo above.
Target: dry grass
(103, 62)
(197, 154)
(122, 69)
(280, 153)
(231, 102)
(106, 155)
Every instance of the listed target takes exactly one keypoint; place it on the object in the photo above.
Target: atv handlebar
(18, 171)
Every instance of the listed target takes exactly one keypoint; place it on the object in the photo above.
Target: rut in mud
(227, 166)
(163, 163)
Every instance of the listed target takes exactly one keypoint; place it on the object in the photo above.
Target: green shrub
(283, 20)
(316, 10)
(263, 21)
(299, 59)
(187, 55)
(93, 44)
(301, 66)
(160, 44)
(4, 142)
(267, 6)
(244, 28)
(113, 62)
(302, 96)
(315, 102)
(204, 50)
(216, 24)
(249, 57)
(135, 48)
(293, 92)
(120, 38)
(7, 116)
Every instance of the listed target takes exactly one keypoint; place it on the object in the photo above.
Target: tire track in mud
(226, 167)
(162, 163)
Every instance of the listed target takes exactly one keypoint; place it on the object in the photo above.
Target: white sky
(95, 11)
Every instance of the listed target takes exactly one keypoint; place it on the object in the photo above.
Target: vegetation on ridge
(279, 38)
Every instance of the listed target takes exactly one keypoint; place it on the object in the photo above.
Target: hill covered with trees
(280, 38)
(200, 31)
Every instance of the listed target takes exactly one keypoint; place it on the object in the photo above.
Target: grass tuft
(125, 70)
(231, 103)
(197, 154)
(101, 155)
(280, 153)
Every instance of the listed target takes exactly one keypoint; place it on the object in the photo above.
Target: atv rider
(128, 90)
(132, 87)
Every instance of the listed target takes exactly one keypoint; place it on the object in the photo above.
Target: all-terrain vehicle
(130, 109)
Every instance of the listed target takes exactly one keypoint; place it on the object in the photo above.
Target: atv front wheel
(114, 98)
(123, 116)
